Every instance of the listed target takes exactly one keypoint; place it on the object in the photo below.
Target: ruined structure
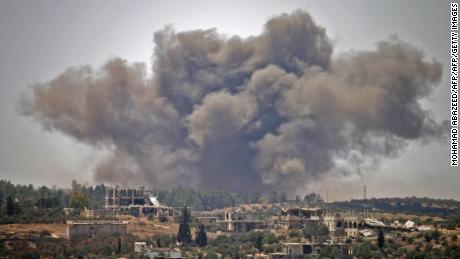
(208, 221)
(238, 222)
(137, 202)
(339, 224)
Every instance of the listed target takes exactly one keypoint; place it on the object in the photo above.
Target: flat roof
(99, 222)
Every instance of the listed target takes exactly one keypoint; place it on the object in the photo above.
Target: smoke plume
(273, 111)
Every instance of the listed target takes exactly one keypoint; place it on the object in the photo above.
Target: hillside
(408, 205)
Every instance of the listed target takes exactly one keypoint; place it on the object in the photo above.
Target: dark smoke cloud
(273, 111)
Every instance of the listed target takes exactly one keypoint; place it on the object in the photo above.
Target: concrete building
(94, 229)
(119, 199)
(309, 250)
(296, 217)
(140, 247)
(137, 202)
(208, 221)
(339, 224)
(350, 225)
(237, 222)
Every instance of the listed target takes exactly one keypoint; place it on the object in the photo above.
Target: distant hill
(409, 205)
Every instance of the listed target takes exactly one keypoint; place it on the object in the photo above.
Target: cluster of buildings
(135, 202)
(342, 226)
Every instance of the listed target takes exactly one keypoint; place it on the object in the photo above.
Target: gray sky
(40, 39)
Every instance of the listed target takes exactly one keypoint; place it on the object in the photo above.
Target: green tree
(381, 239)
(201, 238)
(294, 234)
(119, 246)
(184, 234)
(12, 208)
(314, 229)
(257, 238)
(79, 200)
(363, 250)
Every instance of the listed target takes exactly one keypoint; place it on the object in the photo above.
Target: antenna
(364, 194)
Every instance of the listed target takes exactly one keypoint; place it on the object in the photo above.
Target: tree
(48, 202)
(259, 242)
(12, 207)
(257, 238)
(119, 246)
(79, 200)
(314, 229)
(380, 239)
(363, 250)
(201, 238)
(184, 234)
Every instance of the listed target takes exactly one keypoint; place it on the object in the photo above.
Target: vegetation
(201, 237)
(79, 200)
(410, 205)
(380, 239)
(314, 229)
(29, 204)
(185, 234)
(104, 247)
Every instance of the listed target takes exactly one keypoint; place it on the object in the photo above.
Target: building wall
(95, 229)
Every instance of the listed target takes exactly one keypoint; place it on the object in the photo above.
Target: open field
(141, 228)
(31, 231)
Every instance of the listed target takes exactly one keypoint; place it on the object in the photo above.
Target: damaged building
(137, 202)
(238, 222)
(339, 224)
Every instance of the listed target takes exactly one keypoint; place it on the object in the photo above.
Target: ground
(141, 228)
(30, 231)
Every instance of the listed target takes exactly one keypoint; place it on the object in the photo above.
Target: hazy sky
(40, 39)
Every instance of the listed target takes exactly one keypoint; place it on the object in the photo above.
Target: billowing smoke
(274, 111)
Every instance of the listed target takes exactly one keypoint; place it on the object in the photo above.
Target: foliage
(184, 234)
(380, 239)
(314, 229)
(12, 207)
(256, 238)
(410, 205)
(201, 238)
(79, 200)
(165, 240)
(364, 250)
(329, 252)
(294, 234)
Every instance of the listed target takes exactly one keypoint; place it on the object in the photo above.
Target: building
(137, 202)
(140, 247)
(341, 225)
(208, 221)
(350, 225)
(309, 250)
(237, 222)
(68, 211)
(123, 199)
(296, 217)
(94, 229)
